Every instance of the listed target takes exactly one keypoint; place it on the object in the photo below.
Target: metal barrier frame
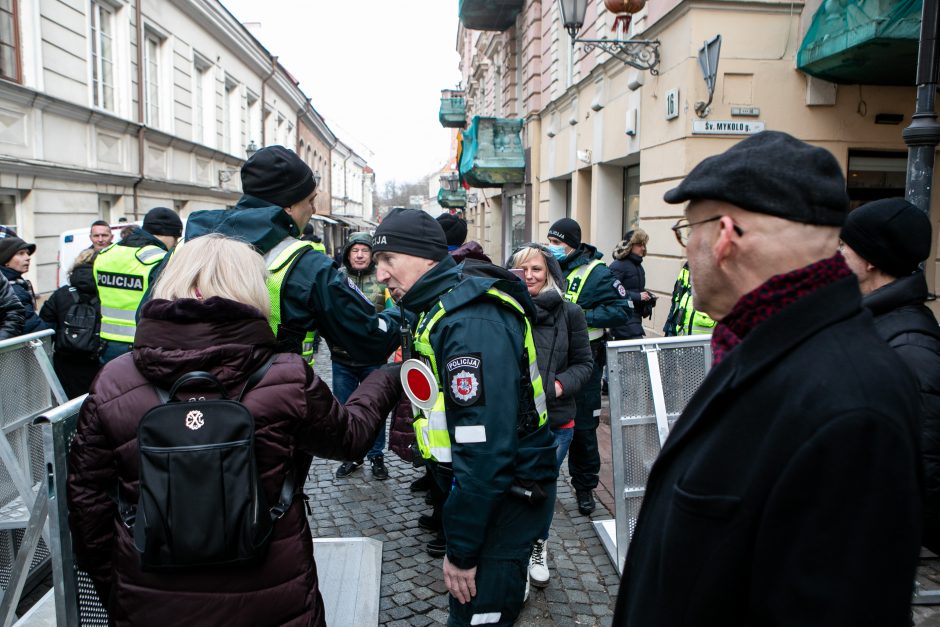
(35, 502)
(652, 348)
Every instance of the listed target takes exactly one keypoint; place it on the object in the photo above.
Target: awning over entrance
(324, 219)
(869, 42)
(495, 15)
(355, 222)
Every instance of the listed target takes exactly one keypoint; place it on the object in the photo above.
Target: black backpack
(78, 333)
(201, 502)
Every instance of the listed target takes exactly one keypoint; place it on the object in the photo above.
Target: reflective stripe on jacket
(431, 427)
(122, 274)
(278, 268)
(577, 279)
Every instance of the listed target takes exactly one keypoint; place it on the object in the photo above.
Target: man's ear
(727, 239)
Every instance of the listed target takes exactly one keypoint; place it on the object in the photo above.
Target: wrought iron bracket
(643, 54)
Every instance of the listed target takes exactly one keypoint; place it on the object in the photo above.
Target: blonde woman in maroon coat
(209, 313)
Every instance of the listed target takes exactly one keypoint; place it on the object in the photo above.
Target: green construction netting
(491, 153)
(870, 42)
(452, 199)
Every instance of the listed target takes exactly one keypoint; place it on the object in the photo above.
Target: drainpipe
(138, 15)
(264, 83)
(923, 135)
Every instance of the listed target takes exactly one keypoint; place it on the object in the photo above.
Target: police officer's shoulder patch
(620, 288)
(464, 375)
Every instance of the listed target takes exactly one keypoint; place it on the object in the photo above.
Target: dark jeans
(345, 381)
(504, 561)
(584, 460)
(563, 439)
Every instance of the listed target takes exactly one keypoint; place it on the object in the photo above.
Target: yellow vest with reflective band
(122, 274)
(576, 280)
(319, 247)
(431, 427)
(277, 270)
(693, 321)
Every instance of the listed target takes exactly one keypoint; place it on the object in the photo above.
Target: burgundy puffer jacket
(295, 415)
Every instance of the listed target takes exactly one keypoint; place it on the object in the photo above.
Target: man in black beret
(309, 295)
(126, 271)
(483, 427)
(801, 445)
(884, 243)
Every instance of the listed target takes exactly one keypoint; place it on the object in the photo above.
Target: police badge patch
(465, 379)
(620, 289)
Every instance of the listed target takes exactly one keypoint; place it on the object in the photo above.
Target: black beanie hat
(163, 221)
(891, 234)
(11, 245)
(455, 229)
(278, 176)
(412, 232)
(771, 173)
(567, 230)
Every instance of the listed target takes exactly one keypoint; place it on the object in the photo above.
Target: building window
(252, 104)
(874, 175)
(9, 41)
(631, 198)
(152, 45)
(102, 55)
(8, 212)
(519, 234)
(202, 100)
(233, 118)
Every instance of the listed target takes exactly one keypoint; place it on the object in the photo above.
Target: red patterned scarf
(776, 294)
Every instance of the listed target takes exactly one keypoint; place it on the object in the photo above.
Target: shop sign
(725, 127)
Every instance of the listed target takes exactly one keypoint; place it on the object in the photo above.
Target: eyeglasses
(683, 229)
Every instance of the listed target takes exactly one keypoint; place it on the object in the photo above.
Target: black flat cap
(772, 173)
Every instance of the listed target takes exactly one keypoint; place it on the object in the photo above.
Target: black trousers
(584, 460)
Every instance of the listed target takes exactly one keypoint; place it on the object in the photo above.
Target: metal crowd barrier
(650, 382)
(28, 388)
(76, 601)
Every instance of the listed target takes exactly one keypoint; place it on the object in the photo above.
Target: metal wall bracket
(643, 54)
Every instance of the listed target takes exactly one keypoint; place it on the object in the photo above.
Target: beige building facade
(604, 141)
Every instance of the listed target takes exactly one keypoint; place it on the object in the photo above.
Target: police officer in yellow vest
(683, 318)
(124, 273)
(486, 437)
(605, 304)
(308, 293)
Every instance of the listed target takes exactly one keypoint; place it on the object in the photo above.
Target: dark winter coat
(12, 312)
(315, 295)
(476, 328)
(603, 298)
(911, 329)
(75, 372)
(628, 268)
(788, 492)
(295, 415)
(23, 290)
(564, 352)
(366, 282)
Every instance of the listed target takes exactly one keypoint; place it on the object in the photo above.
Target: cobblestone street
(583, 585)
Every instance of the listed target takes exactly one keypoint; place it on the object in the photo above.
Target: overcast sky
(374, 70)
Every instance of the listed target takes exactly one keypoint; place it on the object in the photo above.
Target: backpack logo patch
(194, 419)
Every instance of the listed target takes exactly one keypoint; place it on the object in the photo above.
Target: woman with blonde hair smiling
(208, 313)
(564, 358)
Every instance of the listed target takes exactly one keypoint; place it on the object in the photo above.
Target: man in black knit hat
(604, 302)
(884, 243)
(483, 426)
(308, 293)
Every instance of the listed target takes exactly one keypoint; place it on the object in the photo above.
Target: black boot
(585, 501)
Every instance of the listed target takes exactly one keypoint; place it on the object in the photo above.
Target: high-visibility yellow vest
(576, 280)
(318, 246)
(277, 273)
(122, 274)
(431, 427)
(690, 321)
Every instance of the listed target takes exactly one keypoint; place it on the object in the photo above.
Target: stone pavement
(583, 585)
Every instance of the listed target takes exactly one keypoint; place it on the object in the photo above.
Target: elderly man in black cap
(603, 299)
(308, 293)
(884, 243)
(15, 258)
(124, 273)
(788, 492)
(482, 428)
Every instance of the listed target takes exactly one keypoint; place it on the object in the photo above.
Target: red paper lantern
(624, 6)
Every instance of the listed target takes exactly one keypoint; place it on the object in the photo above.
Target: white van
(75, 241)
